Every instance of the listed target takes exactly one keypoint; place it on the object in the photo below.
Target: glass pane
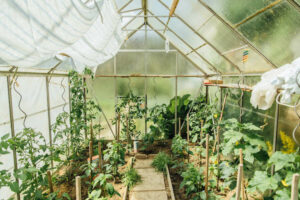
(157, 9)
(190, 86)
(106, 68)
(275, 30)
(235, 11)
(130, 63)
(136, 41)
(154, 41)
(104, 93)
(201, 63)
(218, 61)
(191, 11)
(185, 33)
(185, 67)
(161, 63)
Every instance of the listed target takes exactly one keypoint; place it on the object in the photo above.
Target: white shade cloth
(33, 31)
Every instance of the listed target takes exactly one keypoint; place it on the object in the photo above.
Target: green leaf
(262, 182)
(281, 160)
(14, 186)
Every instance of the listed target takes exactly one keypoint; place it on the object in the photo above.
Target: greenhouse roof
(213, 35)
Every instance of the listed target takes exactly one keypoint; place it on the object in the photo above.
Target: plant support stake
(50, 181)
(78, 188)
(295, 183)
(100, 156)
(207, 166)
(239, 182)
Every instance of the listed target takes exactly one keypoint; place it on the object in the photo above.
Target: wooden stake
(295, 182)
(91, 131)
(91, 152)
(201, 133)
(118, 128)
(91, 157)
(239, 182)
(207, 166)
(218, 156)
(242, 181)
(78, 188)
(127, 130)
(188, 134)
(50, 181)
(100, 156)
(179, 126)
(188, 128)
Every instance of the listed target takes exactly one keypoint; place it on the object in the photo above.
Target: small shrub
(160, 161)
(131, 177)
(179, 146)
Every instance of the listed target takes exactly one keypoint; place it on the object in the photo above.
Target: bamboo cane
(295, 182)
(78, 188)
(239, 182)
(207, 166)
(118, 128)
(91, 131)
(100, 156)
(188, 134)
(50, 181)
(179, 126)
(242, 181)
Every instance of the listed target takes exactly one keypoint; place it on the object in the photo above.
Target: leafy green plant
(192, 182)
(101, 188)
(115, 156)
(131, 177)
(130, 108)
(247, 137)
(180, 146)
(277, 186)
(160, 161)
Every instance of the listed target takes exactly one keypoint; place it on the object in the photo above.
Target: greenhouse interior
(149, 99)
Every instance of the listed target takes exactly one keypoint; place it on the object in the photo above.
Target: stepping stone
(151, 180)
(149, 195)
(140, 164)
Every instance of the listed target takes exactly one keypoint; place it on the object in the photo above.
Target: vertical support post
(295, 183)
(12, 127)
(221, 96)
(275, 134)
(50, 181)
(78, 188)
(176, 88)
(85, 109)
(207, 166)
(145, 79)
(70, 97)
(239, 182)
(201, 134)
(100, 156)
(241, 107)
(116, 90)
(49, 118)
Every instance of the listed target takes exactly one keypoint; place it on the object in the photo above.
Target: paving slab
(143, 163)
(151, 180)
(149, 195)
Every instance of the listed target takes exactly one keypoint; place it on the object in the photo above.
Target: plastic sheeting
(286, 78)
(34, 31)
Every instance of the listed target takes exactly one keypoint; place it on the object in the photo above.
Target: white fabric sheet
(33, 31)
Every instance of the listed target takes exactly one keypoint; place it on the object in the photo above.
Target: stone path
(152, 186)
